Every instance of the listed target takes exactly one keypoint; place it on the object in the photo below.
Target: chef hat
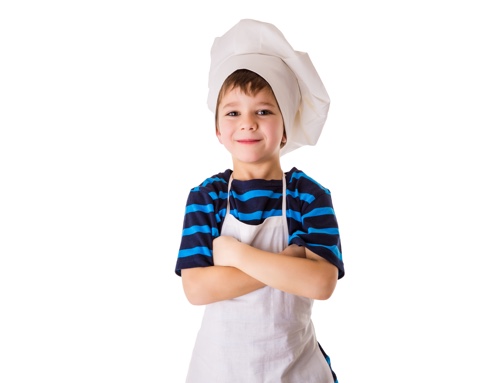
(262, 48)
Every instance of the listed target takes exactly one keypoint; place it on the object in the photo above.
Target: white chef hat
(262, 48)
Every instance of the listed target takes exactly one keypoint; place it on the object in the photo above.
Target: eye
(232, 114)
(264, 112)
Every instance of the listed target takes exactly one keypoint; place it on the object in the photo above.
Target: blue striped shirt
(310, 215)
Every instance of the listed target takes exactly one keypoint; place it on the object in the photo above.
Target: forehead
(240, 94)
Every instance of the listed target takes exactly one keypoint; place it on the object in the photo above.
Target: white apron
(266, 336)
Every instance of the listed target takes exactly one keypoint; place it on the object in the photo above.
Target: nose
(248, 122)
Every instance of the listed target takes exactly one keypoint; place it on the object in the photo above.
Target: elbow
(193, 291)
(193, 295)
(193, 298)
(325, 286)
(195, 301)
(325, 291)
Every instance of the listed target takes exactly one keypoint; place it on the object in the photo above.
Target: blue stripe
(195, 251)
(200, 229)
(309, 198)
(199, 208)
(328, 230)
(221, 195)
(213, 195)
(294, 215)
(319, 211)
(299, 175)
(256, 215)
(209, 181)
(221, 214)
(312, 230)
(256, 194)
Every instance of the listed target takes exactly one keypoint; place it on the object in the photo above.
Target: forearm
(204, 285)
(311, 277)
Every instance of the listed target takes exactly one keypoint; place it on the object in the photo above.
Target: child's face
(250, 127)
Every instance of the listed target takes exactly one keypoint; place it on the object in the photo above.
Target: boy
(259, 244)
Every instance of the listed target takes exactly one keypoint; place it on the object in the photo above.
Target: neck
(257, 171)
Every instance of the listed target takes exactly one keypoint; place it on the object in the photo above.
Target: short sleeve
(198, 231)
(203, 217)
(314, 222)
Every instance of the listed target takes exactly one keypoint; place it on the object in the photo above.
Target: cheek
(222, 136)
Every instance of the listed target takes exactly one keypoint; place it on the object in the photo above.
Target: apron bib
(266, 336)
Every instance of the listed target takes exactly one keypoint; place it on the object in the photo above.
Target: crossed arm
(240, 269)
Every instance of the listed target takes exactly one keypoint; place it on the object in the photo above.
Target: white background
(104, 128)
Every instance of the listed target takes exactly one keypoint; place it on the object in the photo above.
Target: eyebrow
(264, 103)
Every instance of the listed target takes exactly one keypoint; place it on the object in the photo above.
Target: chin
(248, 159)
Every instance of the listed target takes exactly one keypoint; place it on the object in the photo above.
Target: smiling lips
(247, 141)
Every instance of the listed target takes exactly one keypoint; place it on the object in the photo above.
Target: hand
(225, 250)
(294, 251)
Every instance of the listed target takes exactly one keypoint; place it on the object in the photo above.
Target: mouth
(247, 141)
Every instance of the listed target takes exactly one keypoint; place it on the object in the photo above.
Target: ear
(218, 134)
(283, 141)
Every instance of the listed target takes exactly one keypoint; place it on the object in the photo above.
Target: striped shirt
(310, 215)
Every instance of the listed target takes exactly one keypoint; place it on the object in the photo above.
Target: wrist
(238, 254)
